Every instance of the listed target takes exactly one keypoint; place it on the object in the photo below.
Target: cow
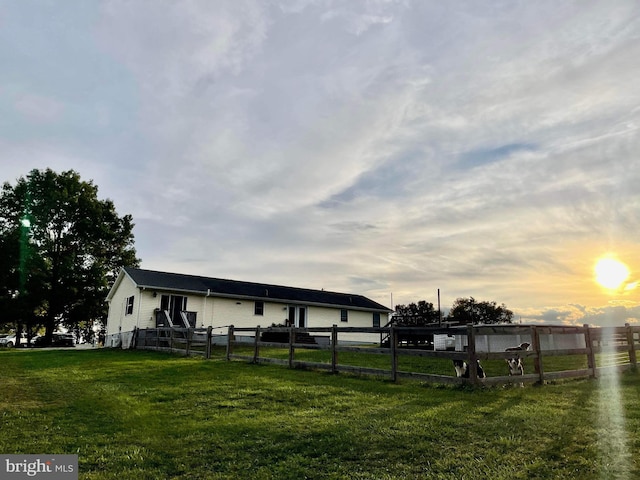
(515, 366)
(522, 346)
(462, 369)
(515, 363)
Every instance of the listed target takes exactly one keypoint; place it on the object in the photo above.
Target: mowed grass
(149, 415)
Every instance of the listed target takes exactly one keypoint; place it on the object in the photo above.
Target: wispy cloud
(381, 146)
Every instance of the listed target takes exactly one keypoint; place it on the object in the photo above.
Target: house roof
(174, 282)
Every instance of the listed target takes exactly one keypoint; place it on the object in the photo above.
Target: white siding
(117, 319)
(357, 318)
(324, 317)
(146, 311)
(241, 313)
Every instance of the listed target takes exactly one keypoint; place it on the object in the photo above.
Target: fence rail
(188, 341)
(604, 349)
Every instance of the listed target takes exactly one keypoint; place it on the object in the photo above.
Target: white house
(148, 299)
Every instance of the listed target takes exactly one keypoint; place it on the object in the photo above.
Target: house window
(258, 308)
(376, 320)
(129, 307)
(344, 315)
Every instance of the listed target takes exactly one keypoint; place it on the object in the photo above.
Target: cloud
(381, 147)
(268, 128)
(483, 156)
(175, 48)
(355, 21)
(576, 314)
(38, 108)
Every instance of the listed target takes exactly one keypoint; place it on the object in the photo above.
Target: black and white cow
(521, 347)
(462, 369)
(515, 366)
(515, 363)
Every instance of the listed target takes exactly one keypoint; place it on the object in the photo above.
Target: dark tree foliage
(60, 249)
(416, 314)
(470, 311)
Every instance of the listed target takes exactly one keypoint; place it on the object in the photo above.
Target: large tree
(61, 247)
(470, 311)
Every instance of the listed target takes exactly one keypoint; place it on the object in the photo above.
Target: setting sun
(611, 273)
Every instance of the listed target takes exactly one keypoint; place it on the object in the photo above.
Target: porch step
(283, 337)
(305, 338)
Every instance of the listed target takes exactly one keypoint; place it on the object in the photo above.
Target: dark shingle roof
(236, 289)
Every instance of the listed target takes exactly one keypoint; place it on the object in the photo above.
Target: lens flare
(613, 431)
(611, 273)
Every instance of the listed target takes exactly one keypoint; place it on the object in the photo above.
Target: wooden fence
(187, 341)
(604, 349)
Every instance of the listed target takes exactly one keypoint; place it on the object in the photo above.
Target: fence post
(255, 345)
(473, 358)
(393, 339)
(632, 346)
(334, 349)
(157, 339)
(207, 350)
(230, 342)
(537, 361)
(591, 358)
(292, 338)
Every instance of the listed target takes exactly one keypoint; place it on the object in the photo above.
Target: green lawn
(147, 415)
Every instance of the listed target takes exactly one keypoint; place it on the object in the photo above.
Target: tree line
(464, 311)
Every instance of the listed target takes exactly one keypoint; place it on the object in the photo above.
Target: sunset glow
(611, 273)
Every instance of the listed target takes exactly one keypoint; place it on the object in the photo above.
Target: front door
(174, 304)
(298, 316)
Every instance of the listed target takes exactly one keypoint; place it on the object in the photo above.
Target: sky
(392, 149)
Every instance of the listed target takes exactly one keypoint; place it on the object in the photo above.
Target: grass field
(148, 415)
